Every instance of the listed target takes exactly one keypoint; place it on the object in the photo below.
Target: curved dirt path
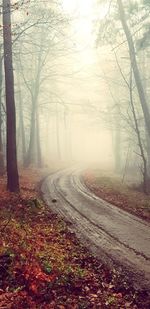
(116, 236)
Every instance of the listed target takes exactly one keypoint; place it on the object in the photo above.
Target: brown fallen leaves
(113, 191)
(43, 265)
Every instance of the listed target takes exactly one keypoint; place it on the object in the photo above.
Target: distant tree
(12, 169)
(21, 120)
(35, 54)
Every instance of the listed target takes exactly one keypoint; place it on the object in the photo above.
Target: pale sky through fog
(84, 86)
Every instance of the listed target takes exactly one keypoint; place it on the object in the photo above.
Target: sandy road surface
(113, 234)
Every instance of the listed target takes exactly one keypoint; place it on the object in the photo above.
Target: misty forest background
(74, 86)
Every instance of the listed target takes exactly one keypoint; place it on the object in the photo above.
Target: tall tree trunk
(39, 155)
(31, 150)
(21, 122)
(35, 94)
(57, 134)
(145, 176)
(135, 68)
(66, 150)
(12, 169)
(1, 120)
(145, 70)
(117, 140)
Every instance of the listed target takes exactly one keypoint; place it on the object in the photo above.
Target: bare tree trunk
(145, 76)
(39, 155)
(117, 141)
(66, 135)
(116, 131)
(145, 176)
(30, 155)
(134, 65)
(21, 123)
(57, 134)
(12, 169)
(1, 121)
(35, 94)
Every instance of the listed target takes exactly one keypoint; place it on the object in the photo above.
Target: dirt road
(114, 235)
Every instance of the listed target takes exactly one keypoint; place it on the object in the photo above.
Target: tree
(12, 169)
(1, 118)
(128, 23)
(134, 64)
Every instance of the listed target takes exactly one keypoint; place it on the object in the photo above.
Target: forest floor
(43, 264)
(126, 195)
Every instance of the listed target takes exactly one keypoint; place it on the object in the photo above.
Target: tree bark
(134, 65)
(1, 121)
(12, 169)
(145, 176)
(21, 121)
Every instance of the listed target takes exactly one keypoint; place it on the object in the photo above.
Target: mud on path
(115, 236)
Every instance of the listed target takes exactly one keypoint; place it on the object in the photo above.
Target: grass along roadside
(110, 188)
(43, 265)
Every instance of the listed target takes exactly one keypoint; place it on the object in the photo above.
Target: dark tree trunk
(148, 153)
(1, 121)
(12, 169)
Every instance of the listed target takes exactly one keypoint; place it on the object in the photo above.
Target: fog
(77, 96)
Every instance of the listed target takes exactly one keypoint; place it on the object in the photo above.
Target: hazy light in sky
(86, 139)
(84, 13)
(85, 8)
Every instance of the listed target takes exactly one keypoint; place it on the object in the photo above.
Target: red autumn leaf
(33, 287)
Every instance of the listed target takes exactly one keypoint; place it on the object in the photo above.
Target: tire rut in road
(100, 240)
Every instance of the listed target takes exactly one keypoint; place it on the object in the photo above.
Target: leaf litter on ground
(43, 264)
(125, 196)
